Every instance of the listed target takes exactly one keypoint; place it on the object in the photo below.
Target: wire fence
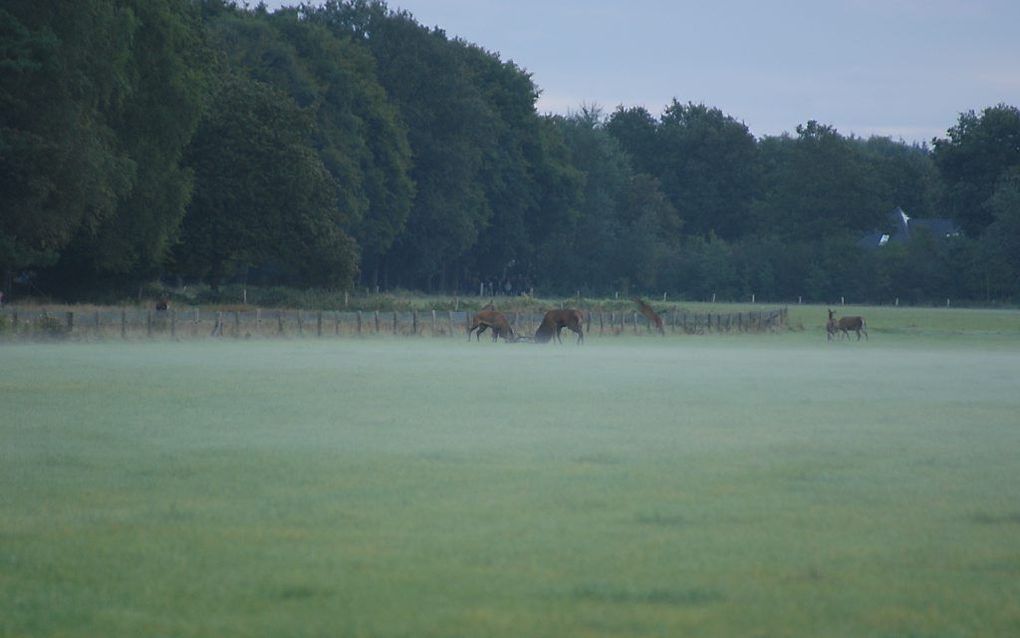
(195, 323)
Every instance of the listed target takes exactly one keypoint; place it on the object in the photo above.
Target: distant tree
(451, 130)
(816, 185)
(356, 133)
(153, 124)
(63, 67)
(972, 159)
(906, 175)
(1002, 236)
(624, 229)
(263, 198)
(560, 186)
(706, 167)
(509, 175)
(636, 130)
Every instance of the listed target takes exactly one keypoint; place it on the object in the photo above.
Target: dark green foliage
(356, 131)
(263, 198)
(817, 184)
(705, 162)
(978, 151)
(345, 144)
(65, 67)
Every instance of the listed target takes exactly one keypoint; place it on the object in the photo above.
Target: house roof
(903, 227)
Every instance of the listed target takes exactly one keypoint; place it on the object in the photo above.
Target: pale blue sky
(903, 68)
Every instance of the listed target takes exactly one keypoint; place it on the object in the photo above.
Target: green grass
(773, 485)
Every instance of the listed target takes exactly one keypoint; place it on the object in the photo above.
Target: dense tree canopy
(977, 152)
(288, 226)
(66, 74)
(345, 145)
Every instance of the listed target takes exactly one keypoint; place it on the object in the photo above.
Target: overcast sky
(902, 68)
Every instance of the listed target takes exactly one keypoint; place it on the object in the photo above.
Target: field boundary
(195, 323)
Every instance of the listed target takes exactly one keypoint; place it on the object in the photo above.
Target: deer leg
(481, 329)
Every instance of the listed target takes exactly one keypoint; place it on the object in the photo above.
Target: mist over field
(767, 485)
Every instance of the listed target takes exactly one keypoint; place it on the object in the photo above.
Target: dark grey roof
(937, 227)
(903, 227)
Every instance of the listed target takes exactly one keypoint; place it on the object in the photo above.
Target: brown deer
(556, 320)
(491, 319)
(653, 317)
(846, 324)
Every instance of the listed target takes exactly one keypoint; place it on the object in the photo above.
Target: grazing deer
(846, 324)
(556, 320)
(491, 319)
(653, 317)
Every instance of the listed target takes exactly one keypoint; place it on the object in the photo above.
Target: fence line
(194, 323)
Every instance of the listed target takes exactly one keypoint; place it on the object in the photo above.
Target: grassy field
(758, 486)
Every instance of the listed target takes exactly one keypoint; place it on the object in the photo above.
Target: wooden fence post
(377, 322)
(318, 324)
(300, 324)
(123, 323)
(173, 324)
(359, 323)
(237, 324)
(258, 320)
(601, 322)
(394, 322)
(97, 324)
(434, 325)
(451, 324)
(279, 322)
(634, 319)
(70, 322)
(587, 324)
(414, 322)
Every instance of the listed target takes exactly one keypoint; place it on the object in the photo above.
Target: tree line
(347, 146)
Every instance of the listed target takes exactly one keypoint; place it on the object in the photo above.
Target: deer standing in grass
(653, 317)
(845, 325)
(556, 320)
(490, 318)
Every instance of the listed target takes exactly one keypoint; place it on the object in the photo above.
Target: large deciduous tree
(972, 159)
(263, 198)
(153, 123)
(64, 66)
(706, 166)
(356, 133)
(816, 185)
